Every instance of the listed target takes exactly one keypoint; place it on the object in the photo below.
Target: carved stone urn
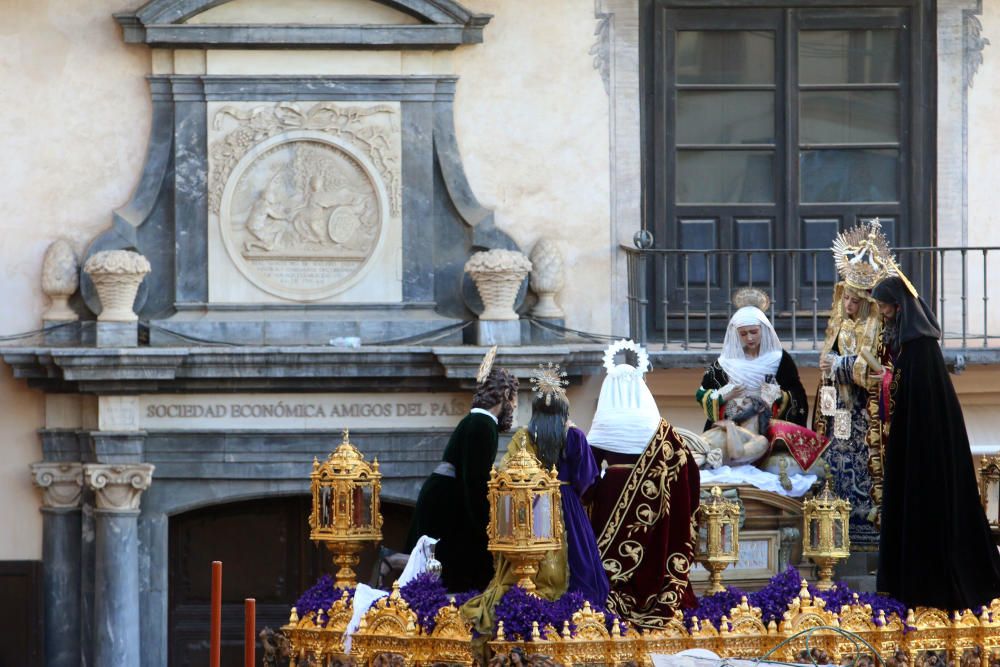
(117, 275)
(60, 279)
(547, 278)
(498, 275)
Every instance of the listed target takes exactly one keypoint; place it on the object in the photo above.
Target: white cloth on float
(365, 596)
(765, 481)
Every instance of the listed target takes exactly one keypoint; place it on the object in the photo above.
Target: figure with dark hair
(935, 547)
(453, 506)
(555, 442)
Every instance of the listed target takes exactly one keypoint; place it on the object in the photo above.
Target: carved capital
(118, 486)
(61, 483)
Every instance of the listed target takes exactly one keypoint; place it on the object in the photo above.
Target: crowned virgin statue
(852, 365)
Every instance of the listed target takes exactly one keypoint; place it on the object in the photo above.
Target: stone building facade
(307, 180)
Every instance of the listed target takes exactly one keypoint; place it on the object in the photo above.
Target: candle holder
(525, 514)
(827, 538)
(718, 537)
(345, 507)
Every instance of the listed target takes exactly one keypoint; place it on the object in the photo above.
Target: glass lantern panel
(505, 523)
(814, 533)
(542, 516)
(702, 540)
(325, 505)
(363, 507)
(993, 500)
(838, 533)
(727, 538)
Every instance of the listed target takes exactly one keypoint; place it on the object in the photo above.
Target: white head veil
(627, 417)
(750, 372)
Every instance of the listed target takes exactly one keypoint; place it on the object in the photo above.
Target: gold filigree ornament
(862, 255)
(549, 381)
(345, 507)
(751, 296)
(486, 366)
(525, 517)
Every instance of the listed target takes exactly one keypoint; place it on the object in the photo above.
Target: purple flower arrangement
(517, 609)
(774, 599)
(426, 595)
(322, 595)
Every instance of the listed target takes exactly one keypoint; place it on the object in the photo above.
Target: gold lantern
(525, 514)
(989, 488)
(718, 536)
(827, 539)
(345, 507)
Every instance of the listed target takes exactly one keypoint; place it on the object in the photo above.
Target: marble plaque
(300, 411)
(304, 202)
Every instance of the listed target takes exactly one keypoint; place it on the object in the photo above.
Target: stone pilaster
(117, 491)
(61, 484)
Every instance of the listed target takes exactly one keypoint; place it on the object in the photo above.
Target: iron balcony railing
(683, 298)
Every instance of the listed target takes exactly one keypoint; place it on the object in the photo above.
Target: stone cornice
(118, 487)
(194, 369)
(61, 484)
(444, 24)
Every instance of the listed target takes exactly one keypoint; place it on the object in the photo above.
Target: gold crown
(862, 255)
(549, 380)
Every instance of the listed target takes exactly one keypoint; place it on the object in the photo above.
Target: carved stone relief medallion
(305, 199)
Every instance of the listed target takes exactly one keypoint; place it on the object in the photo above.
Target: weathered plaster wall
(532, 121)
(75, 113)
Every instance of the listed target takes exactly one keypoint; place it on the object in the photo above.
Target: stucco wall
(532, 121)
(532, 124)
(75, 113)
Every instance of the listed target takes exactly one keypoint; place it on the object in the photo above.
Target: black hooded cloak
(935, 547)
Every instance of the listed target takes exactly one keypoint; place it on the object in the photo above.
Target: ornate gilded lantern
(525, 514)
(345, 507)
(718, 536)
(989, 488)
(827, 539)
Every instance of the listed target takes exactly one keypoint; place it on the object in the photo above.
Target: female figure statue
(852, 363)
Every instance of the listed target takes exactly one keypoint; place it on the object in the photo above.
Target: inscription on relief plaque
(301, 411)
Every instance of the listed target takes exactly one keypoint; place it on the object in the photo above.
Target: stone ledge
(253, 368)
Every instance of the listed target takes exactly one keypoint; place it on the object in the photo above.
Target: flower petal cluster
(517, 609)
(426, 596)
(322, 595)
(774, 599)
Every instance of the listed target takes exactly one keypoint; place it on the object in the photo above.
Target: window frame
(914, 212)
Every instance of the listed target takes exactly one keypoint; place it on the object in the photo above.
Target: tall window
(778, 127)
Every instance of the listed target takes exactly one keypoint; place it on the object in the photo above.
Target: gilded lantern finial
(525, 517)
(718, 536)
(345, 507)
(827, 521)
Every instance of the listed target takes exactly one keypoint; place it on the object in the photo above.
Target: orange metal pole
(215, 638)
(249, 632)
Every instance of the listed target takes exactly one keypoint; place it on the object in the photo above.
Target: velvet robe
(455, 510)
(642, 515)
(935, 547)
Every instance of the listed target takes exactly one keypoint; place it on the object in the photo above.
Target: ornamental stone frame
(437, 220)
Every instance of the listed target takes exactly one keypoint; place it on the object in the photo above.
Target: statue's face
(852, 304)
(887, 310)
(749, 337)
